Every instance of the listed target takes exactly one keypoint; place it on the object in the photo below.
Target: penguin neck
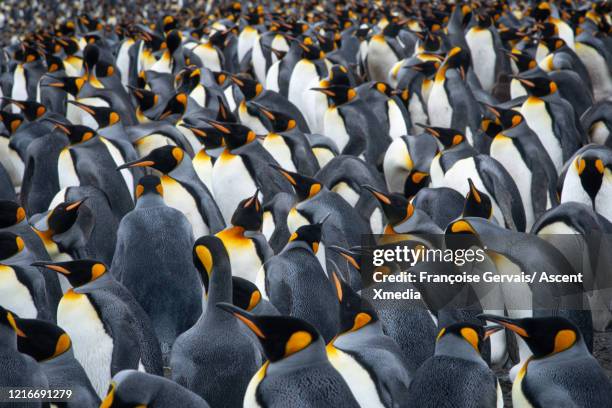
(452, 346)
(219, 288)
(183, 171)
(19, 258)
(113, 132)
(357, 337)
(8, 338)
(298, 244)
(312, 355)
(150, 200)
(63, 359)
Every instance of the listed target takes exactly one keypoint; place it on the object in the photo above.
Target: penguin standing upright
(52, 348)
(298, 370)
(183, 190)
(158, 271)
(383, 50)
(201, 366)
(369, 361)
(456, 374)
(561, 370)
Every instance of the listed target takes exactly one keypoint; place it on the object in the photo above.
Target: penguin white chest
(397, 165)
(244, 260)
(573, 189)
(380, 58)
(66, 171)
(20, 86)
(202, 164)
(268, 226)
(598, 70)
(302, 75)
(275, 144)
(14, 295)
(357, 378)
(539, 120)
(480, 43)
(334, 128)
(147, 144)
(177, 196)
(438, 106)
(504, 151)
(295, 220)
(397, 124)
(246, 39)
(118, 159)
(232, 183)
(11, 161)
(603, 200)
(346, 192)
(272, 77)
(251, 121)
(417, 112)
(516, 89)
(93, 347)
(518, 397)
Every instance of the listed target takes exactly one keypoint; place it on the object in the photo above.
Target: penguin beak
(263, 110)
(218, 126)
(510, 324)
(86, 108)
(137, 163)
(324, 90)
(194, 129)
(75, 205)
(54, 267)
(378, 195)
(493, 110)
(237, 80)
(253, 199)
(492, 329)
(346, 254)
(60, 126)
(429, 129)
(524, 81)
(284, 173)
(245, 317)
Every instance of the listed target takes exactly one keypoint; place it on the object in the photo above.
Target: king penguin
(298, 371)
(457, 375)
(202, 366)
(561, 371)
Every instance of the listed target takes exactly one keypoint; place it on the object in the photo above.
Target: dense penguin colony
(186, 193)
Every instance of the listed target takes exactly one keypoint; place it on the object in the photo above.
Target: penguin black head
(146, 99)
(590, 169)
(396, 207)
(209, 253)
(456, 58)
(352, 255)
(383, 88)
(447, 136)
(177, 105)
(477, 203)
(69, 45)
(221, 77)
(539, 86)
(245, 294)
(164, 159)
(249, 214)
(309, 234)
(279, 121)
(235, 135)
(72, 85)
(149, 184)
(280, 336)
(75, 133)
(167, 23)
(355, 312)
(305, 187)
(483, 20)
(11, 121)
(91, 55)
(41, 340)
(427, 68)
(209, 136)
(507, 118)
(310, 51)
(188, 79)
(78, 272)
(544, 335)
(11, 213)
(54, 63)
(63, 216)
(10, 244)
(542, 11)
(523, 61)
(338, 75)
(250, 88)
(103, 115)
(338, 94)
(173, 41)
(472, 333)
(31, 109)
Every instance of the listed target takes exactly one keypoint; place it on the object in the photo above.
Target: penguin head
(457, 58)
(164, 159)
(250, 88)
(483, 20)
(91, 55)
(209, 254)
(338, 94)
(104, 116)
(352, 255)
(173, 41)
(177, 105)
(78, 272)
(427, 68)
(11, 213)
(249, 214)
(54, 63)
(10, 244)
(448, 137)
(355, 312)
(63, 216)
(590, 169)
(209, 136)
(507, 118)
(279, 121)
(11, 121)
(477, 203)
(305, 187)
(167, 23)
(9, 320)
(383, 88)
(188, 79)
(75, 133)
(338, 75)
(474, 334)
(309, 234)
(538, 86)
(235, 135)
(149, 184)
(72, 85)
(280, 336)
(245, 293)
(41, 340)
(523, 61)
(310, 50)
(146, 99)
(396, 207)
(32, 110)
(544, 336)
(541, 12)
